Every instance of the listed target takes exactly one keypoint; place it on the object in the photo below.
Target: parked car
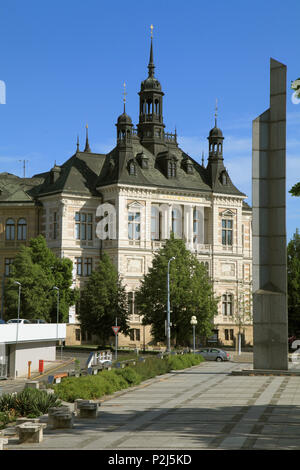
(214, 354)
(20, 320)
(39, 320)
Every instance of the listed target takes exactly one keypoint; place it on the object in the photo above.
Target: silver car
(214, 354)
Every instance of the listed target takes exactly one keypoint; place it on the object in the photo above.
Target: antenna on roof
(24, 167)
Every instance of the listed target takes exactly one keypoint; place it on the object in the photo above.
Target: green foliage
(293, 268)
(179, 361)
(39, 270)
(107, 382)
(295, 190)
(191, 293)
(29, 402)
(102, 300)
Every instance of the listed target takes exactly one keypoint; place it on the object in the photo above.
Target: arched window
(22, 229)
(10, 229)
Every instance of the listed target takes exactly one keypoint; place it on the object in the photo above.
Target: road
(204, 407)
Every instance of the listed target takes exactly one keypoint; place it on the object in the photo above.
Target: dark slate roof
(77, 175)
(18, 190)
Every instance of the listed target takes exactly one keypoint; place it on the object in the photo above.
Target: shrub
(28, 402)
(107, 382)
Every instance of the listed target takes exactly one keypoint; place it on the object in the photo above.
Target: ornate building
(155, 187)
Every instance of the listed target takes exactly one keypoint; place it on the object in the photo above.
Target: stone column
(269, 228)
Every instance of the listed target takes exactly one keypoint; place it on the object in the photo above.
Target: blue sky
(64, 64)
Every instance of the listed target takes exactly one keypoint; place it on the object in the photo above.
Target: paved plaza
(204, 407)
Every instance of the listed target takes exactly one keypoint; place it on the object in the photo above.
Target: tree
(102, 300)
(293, 268)
(295, 190)
(39, 270)
(191, 293)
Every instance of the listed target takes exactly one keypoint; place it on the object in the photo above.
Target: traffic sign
(116, 329)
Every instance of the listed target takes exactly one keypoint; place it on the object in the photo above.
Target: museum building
(155, 188)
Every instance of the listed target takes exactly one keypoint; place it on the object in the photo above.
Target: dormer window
(224, 178)
(171, 169)
(132, 168)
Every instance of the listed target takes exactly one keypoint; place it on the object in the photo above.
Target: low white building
(24, 343)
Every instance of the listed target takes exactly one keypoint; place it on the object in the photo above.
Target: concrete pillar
(270, 324)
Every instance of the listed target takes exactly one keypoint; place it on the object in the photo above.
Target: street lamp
(194, 323)
(57, 313)
(19, 304)
(168, 306)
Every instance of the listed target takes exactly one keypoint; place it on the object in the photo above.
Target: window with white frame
(227, 232)
(155, 229)
(134, 224)
(83, 226)
(227, 304)
(197, 225)
(177, 222)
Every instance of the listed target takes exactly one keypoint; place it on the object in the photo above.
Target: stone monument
(270, 322)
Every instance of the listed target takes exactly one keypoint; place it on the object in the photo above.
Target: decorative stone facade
(154, 187)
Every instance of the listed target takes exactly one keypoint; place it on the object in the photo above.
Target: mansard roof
(14, 189)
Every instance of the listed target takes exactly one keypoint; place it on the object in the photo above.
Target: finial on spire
(77, 145)
(124, 95)
(151, 63)
(87, 146)
(216, 112)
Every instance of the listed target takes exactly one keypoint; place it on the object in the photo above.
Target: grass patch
(91, 387)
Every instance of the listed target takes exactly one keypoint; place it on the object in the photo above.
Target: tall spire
(151, 65)
(77, 145)
(124, 96)
(216, 112)
(87, 145)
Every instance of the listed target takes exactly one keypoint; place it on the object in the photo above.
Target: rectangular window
(78, 263)
(77, 334)
(83, 226)
(134, 225)
(155, 223)
(227, 304)
(131, 334)
(87, 269)
(137, 335)
(7, 267)
(55, 226)
(231, 335)
(226, 335)
(227, 232)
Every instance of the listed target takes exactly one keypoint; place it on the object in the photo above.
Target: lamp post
(57, 314)
(168, 306)
(194, 323)
(19, 304)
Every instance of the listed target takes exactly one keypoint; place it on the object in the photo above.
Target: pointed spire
(151, 66)
(87, 146)
(77, 144)
(124, 96)
(202, 158)
(216, 112)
